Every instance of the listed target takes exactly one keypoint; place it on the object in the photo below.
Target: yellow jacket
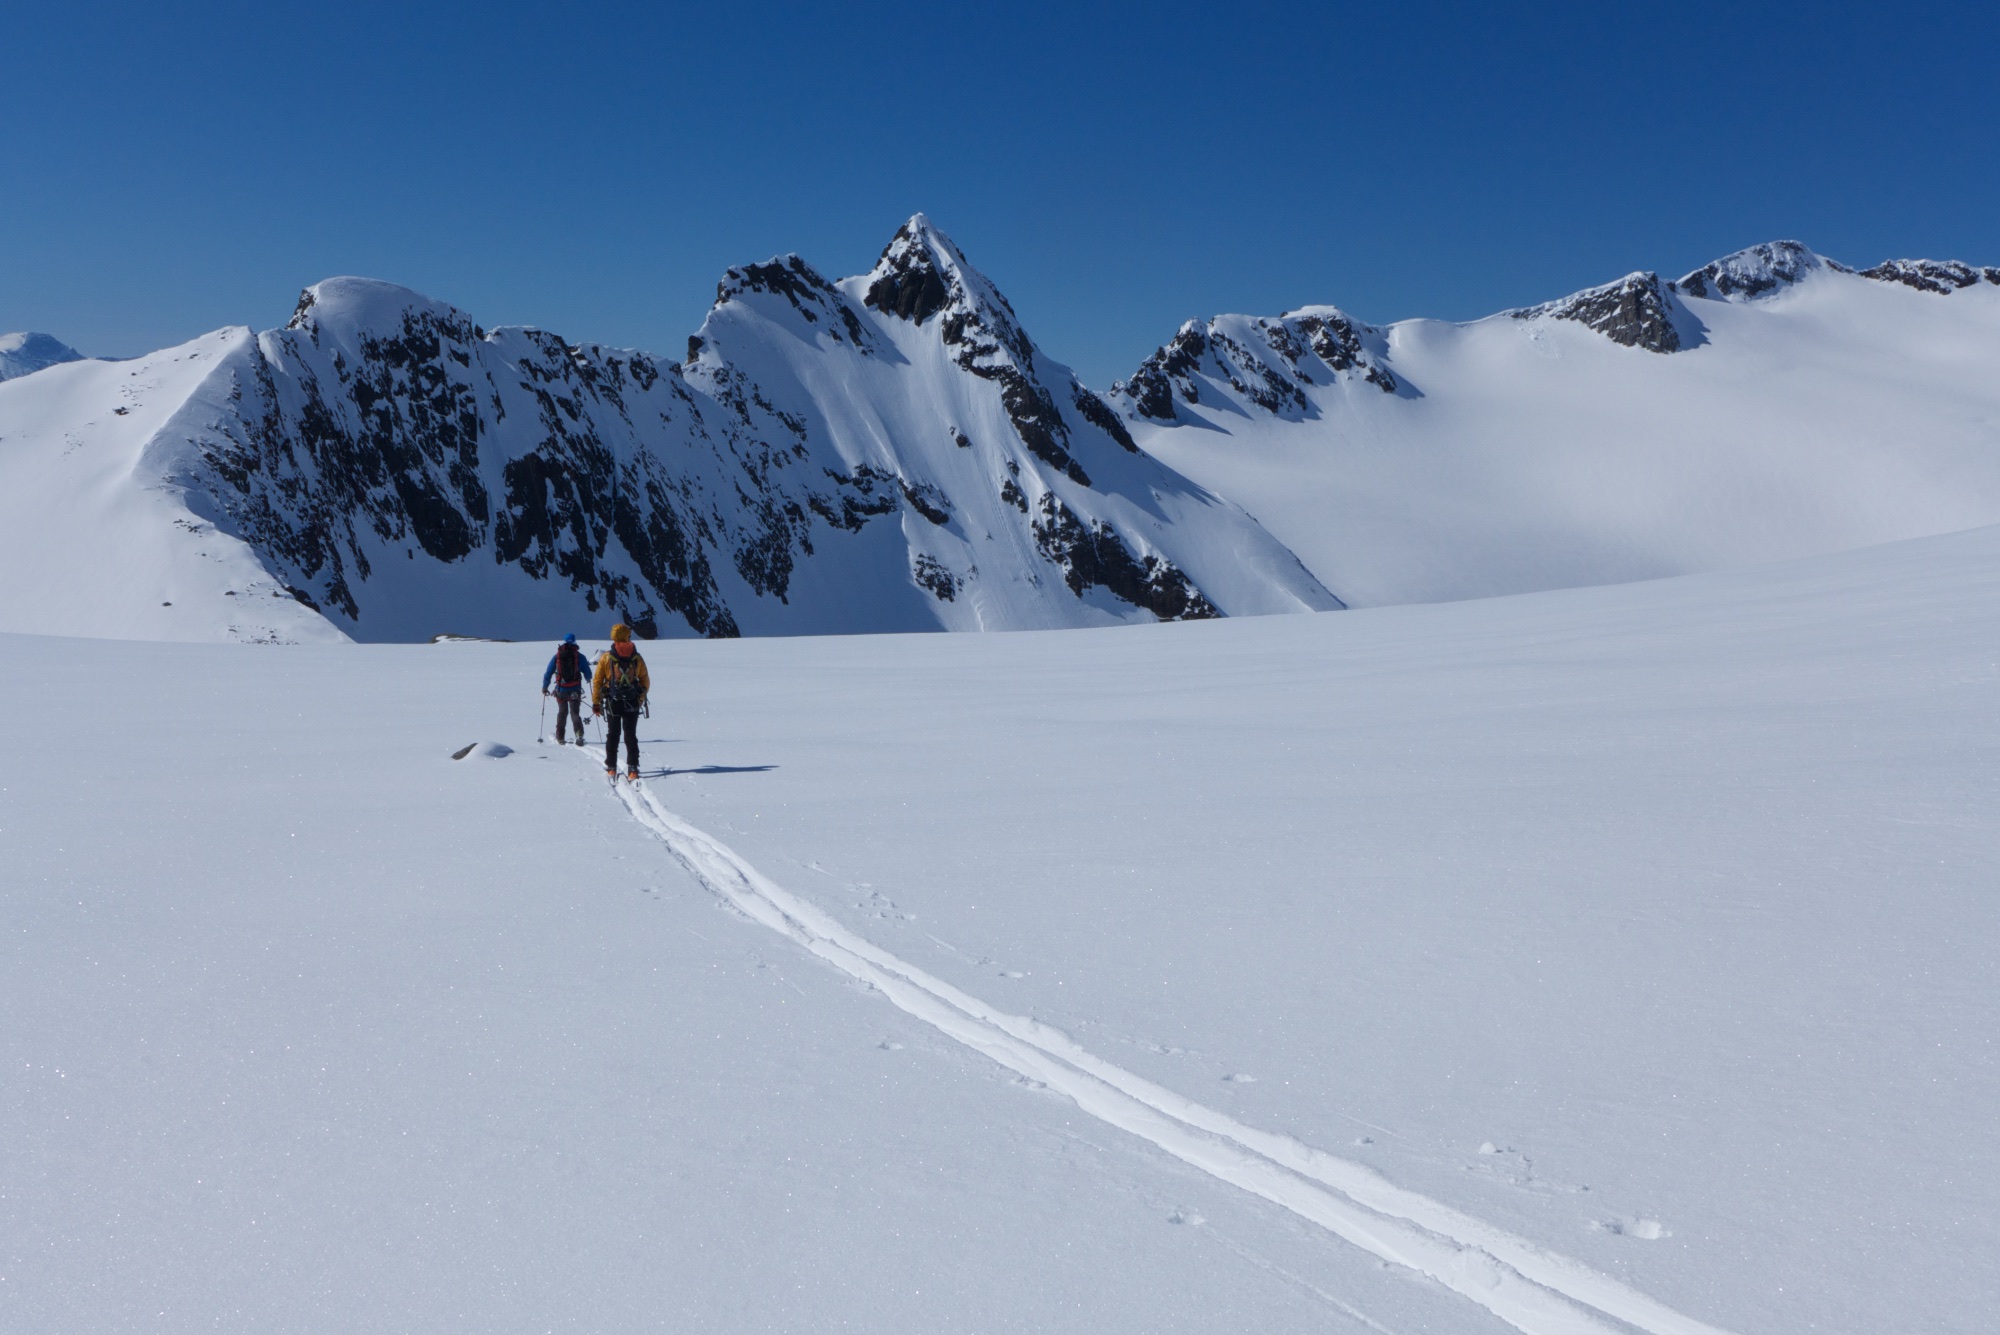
(600, 680)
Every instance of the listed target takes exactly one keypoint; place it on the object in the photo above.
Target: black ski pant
(614, 724)
(569, 708)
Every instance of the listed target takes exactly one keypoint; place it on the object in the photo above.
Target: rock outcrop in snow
(1637, 311)
(1266, 364)
(1756, 272)
(25, 353)
(1940, 276)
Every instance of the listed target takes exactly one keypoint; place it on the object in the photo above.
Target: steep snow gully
(1534, 1290)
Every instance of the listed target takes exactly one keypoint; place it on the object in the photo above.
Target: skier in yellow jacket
(618, 695)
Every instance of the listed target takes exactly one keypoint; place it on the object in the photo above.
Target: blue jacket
(582, 672)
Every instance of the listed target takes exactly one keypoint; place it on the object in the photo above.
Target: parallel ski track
(1532, 1289)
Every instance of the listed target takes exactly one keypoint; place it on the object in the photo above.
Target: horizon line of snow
(1534, 1290)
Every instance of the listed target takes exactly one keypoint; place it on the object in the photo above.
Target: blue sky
(1116, 169)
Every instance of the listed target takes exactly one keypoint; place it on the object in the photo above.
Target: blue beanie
(569, 639)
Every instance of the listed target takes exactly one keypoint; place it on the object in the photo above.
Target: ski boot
(632, 775)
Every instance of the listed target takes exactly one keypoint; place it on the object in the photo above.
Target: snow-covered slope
(95, 538)
(23, 354)
(1769, 405)
(1627, 950)
(890, 454)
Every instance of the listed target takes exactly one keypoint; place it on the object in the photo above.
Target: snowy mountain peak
(923, 273)
(25, 353)
(1756, 272)
(1637, 311)
(353, 312)
(1267, 364)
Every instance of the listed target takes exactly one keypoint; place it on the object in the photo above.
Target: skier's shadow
(666, 770)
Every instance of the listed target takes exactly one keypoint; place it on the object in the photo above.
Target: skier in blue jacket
(565, 669)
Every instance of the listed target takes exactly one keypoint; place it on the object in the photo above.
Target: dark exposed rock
(929, 501)
(1940, 276)
(1098, 413)
(1632, 312)
(790, 277)
(1152, 385)
(1011, 493)
(1093, 554)
(861, 495)
(910, 284)
(931, 574)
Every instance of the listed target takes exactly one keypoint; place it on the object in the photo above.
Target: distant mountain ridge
(887, 453)
(893, 452)
(1773, 403)
(25, 353)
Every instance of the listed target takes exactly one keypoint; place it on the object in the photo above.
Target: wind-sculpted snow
(846, 457)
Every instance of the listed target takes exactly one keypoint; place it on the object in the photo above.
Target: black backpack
(569, 667)
(621, 684)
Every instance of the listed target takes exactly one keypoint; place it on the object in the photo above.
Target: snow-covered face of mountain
(25, 353)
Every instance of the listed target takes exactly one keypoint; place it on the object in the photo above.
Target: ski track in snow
(1530, 1288)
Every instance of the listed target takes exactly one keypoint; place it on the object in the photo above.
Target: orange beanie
(621, 631)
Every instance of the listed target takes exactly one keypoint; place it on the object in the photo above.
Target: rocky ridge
(1273, 367)
(1268, 363)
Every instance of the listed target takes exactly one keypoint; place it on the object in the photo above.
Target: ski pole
(543, 726)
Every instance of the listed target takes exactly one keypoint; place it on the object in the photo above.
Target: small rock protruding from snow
(25, 353)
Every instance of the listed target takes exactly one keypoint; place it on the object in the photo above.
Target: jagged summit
(25, 353)
(922, 273)
(1754, 272)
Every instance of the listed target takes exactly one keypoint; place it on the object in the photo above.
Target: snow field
(1646, 926)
